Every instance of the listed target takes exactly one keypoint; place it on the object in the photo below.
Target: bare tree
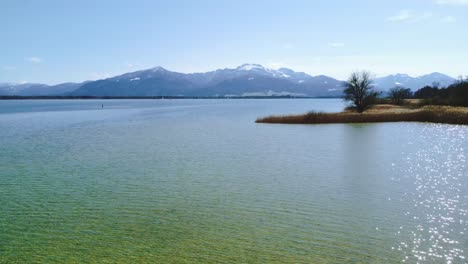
(359, 90)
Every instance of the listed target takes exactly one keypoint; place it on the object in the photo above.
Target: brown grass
(433, 114)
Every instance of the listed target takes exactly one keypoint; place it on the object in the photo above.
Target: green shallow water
(197, 181)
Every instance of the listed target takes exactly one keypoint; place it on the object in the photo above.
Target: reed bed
(433, 114)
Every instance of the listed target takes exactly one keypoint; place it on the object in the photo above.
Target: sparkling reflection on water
(436, 230)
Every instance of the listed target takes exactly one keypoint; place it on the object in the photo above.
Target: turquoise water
(197, 181)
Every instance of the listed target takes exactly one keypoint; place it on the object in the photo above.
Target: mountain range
(245, 80)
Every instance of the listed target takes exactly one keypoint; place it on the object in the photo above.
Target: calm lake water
(197, 181)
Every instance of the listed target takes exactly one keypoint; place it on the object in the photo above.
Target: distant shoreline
(379, 114)
(14, 97)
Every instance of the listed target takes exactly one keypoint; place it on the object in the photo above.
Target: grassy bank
(380, 113)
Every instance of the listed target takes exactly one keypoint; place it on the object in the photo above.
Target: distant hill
(36, 89)
(245, 80)
(414, 83)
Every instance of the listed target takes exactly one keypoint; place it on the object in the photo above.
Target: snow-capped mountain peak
(414, 83)
(157, 68)
(259, 69)
(401, 75)
(249, 67)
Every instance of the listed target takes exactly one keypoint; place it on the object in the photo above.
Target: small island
(428, 104)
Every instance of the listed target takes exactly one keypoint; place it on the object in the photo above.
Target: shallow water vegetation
(433, 114)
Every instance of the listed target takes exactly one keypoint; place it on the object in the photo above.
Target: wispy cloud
(9, 68)
(422, 17)
(336, 44)
(452, 2)
(34, 59)
(410, 16)
(403, 15)
(448, 19)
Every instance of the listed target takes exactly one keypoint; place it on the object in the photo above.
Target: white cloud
(130, 65)
(336, 44)
(9, 68)
(452, 2)
(423, 16)
(448, 19)
(409, 16)
(34, 59)
(401, 16)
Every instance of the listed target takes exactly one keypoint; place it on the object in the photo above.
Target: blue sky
(58, 41)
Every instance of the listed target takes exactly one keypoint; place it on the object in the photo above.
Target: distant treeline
(453, 95)
(456, 94)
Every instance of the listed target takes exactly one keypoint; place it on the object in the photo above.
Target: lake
(198, 181)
